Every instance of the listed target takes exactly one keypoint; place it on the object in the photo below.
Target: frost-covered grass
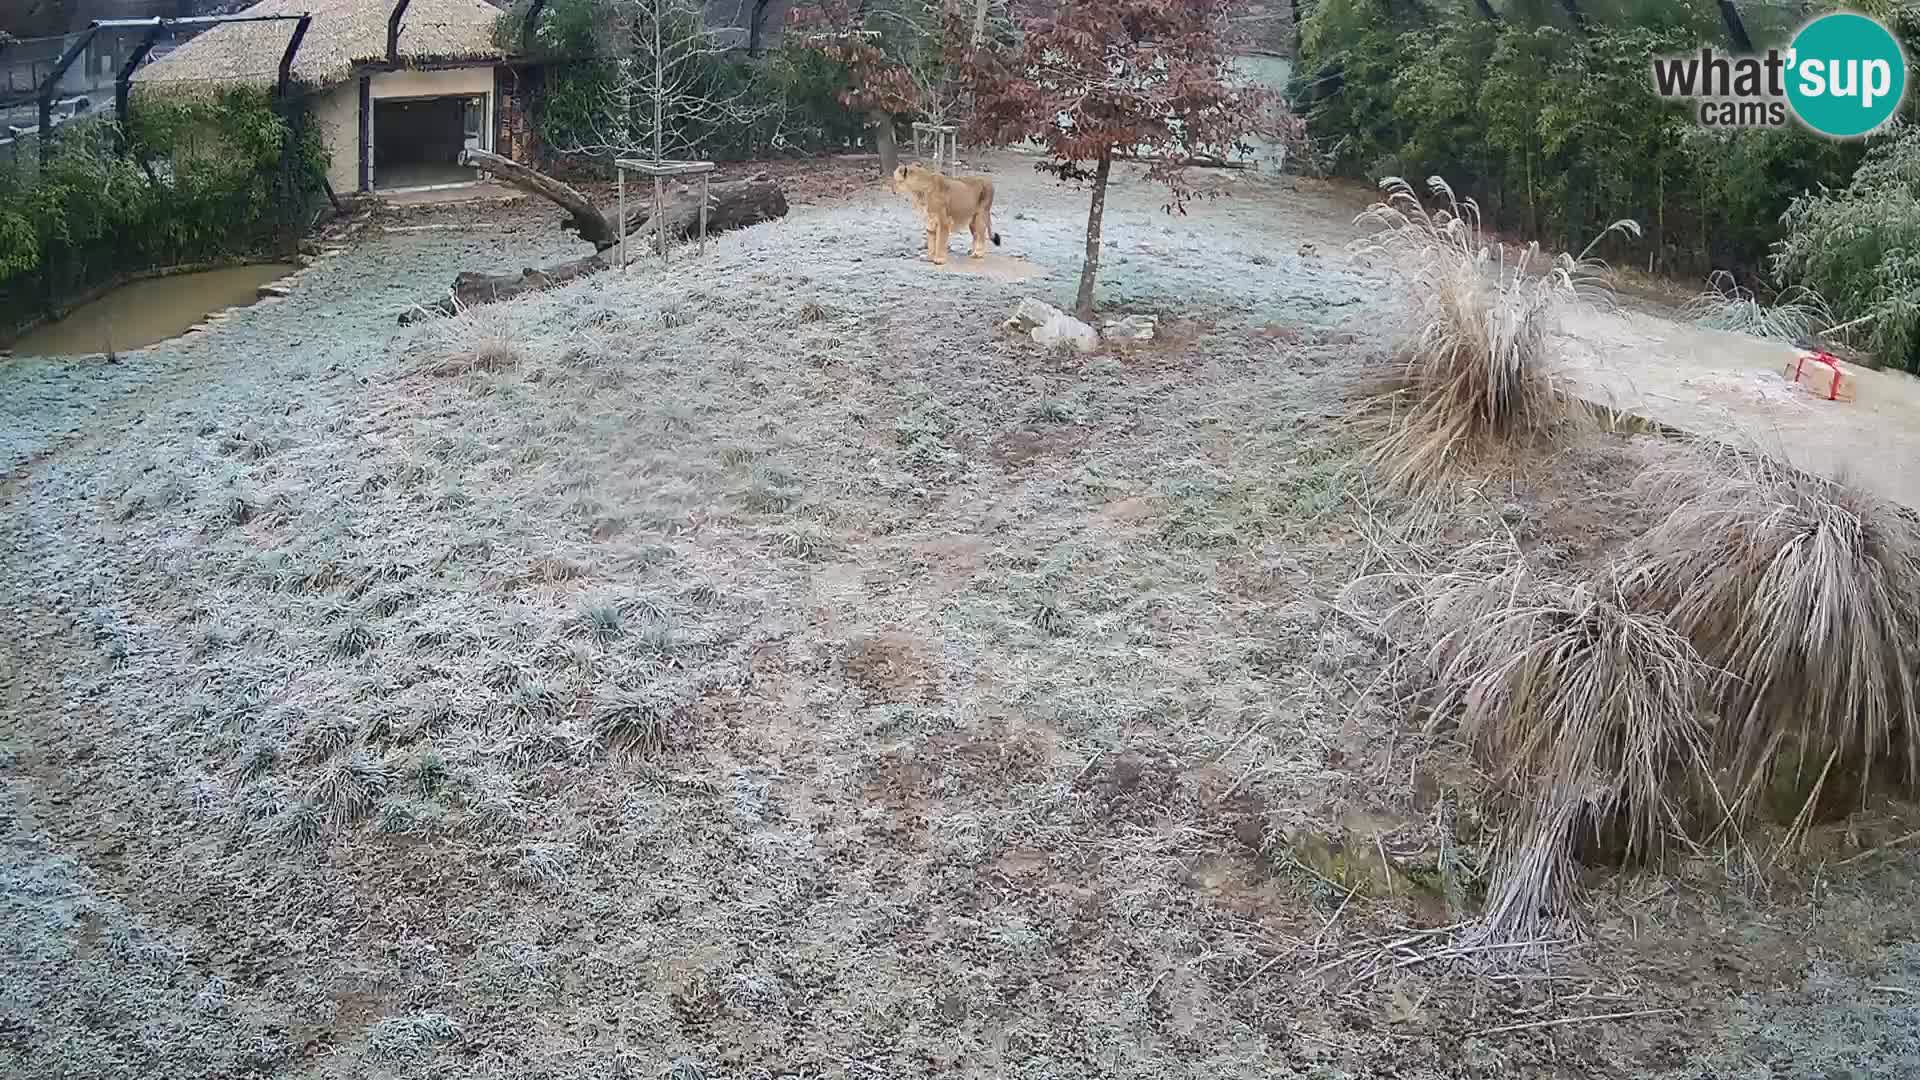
(760, 667)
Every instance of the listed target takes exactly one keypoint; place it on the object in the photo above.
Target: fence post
(53, 83)
(123, 85)
(283, 106)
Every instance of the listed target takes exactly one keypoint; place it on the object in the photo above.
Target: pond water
(147, 312)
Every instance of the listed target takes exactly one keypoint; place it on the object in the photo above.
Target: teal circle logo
(1846, 75)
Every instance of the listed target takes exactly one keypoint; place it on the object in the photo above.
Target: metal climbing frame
(944, 138)
(660, 170)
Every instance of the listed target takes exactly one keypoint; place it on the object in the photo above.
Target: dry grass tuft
(1586, 711)
(489, 338)
(1807, 592)
(1470, 371)
(1795, 314)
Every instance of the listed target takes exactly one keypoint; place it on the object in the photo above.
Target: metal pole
(48, 88)
(531, 27)
(621, 251)
(393, 30)
(123, 86)
(285, 80)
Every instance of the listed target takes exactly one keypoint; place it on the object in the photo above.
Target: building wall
(337, 111)
(1270, 73)
(515, 89)
(465, 81)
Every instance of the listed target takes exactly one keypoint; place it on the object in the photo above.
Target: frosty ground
(766, 666)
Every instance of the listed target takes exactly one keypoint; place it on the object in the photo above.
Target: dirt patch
(893, 667)
(996, 267)
(1015, 450)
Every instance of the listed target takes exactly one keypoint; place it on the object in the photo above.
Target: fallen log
(732, 204)
(470, 288)
(586, 218)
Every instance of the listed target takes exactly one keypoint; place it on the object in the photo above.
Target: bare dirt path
(1729, 387)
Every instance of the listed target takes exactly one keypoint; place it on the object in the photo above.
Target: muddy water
(144, 313)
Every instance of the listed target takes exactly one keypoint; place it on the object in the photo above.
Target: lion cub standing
(947, 202)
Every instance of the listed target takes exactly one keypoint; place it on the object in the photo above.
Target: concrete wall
(337, 111)
(466, 81)
(1271, 73)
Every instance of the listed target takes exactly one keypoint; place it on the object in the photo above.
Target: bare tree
(664, 99)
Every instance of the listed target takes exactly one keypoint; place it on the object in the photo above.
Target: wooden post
(660, 213)
(705, 179)
(621, 172)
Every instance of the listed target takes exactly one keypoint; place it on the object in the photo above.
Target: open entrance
(417, 141)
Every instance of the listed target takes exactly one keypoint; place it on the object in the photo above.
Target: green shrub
(1555, 129)
(1859, 247)
(185, 181)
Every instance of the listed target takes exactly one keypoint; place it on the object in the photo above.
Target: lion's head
(911, 177)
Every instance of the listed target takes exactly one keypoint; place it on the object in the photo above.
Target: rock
(274, 292)
(1052, 328)
(1308, 249)
(1131, 328)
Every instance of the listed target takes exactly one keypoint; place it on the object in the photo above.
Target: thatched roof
(344, 33)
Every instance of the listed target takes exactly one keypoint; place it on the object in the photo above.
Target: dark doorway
(417, 141)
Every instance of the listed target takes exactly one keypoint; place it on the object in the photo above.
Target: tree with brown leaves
(894, 57)
(1107, 78)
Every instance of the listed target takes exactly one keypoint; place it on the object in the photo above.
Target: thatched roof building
(345, 34)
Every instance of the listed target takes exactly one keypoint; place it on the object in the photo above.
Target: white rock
(1032, 313)
(1131, 328)
(1052, 328)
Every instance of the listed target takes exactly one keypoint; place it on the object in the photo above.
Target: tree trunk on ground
(980, 21)
(470, 289)
(586, 219)
(1089, 270)
(884, 144)
(731, 205)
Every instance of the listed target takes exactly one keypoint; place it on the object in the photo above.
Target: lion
(947, 202)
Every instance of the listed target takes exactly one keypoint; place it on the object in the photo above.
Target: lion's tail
(996, 239)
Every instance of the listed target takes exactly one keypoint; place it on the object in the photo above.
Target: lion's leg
(980, 230)
(933, 242)
(943, 236)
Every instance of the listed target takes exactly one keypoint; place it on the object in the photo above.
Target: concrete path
(1729, 387)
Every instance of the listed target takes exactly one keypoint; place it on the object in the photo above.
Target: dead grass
(1469, 372)
(1805, 591)
(1793, 315)
(1586, 712)
(485, 339)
